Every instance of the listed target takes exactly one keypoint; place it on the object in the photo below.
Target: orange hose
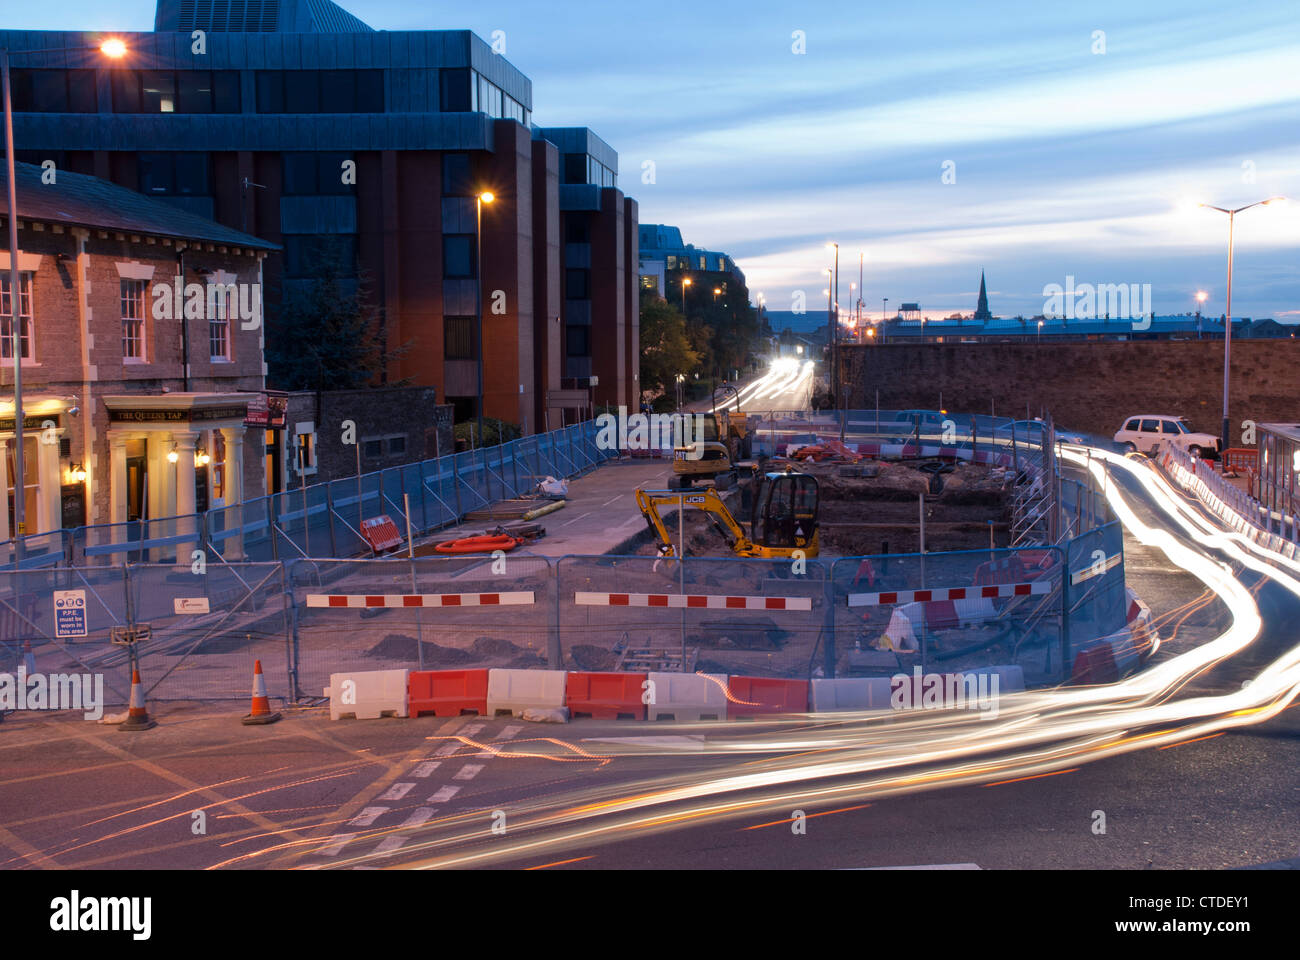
(481, 544)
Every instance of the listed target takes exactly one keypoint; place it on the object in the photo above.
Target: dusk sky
(1067, 161)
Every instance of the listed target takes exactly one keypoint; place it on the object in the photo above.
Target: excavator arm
(706, 499)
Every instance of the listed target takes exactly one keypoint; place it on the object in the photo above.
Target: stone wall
(1087, 386)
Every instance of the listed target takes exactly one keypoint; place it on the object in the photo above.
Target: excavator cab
(785, 512)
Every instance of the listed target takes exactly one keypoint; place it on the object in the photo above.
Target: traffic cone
(261, 712)
(137, 717)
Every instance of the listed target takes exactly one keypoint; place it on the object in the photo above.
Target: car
(1033, 431)
(1150, 432)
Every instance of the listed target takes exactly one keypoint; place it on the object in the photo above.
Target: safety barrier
(515, 691)
(368, 695)
(447, 693)
(610, 696)
(1234, 506)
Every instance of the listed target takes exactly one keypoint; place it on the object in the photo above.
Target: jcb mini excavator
(784, 516)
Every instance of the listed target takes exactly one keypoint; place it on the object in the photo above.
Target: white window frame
(26, 282)
(225, 305)
(142, 319)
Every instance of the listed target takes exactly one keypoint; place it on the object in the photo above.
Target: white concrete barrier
(852, 693)
(514, 691)
(368, 694)
(687, 697)
(1010, 678)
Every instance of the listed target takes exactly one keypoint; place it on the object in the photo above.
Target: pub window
(219, 333)
(7, 316)
(132, 299)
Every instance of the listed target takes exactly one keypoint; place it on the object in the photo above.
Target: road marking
(448, 749)
(397, 791)
(426, 768)
(576, 519)
(367, 816)
(418, 816)
(926, 866)
(389, 845)
(472, 729)
(469, 771)
(444, 794)
(508, 732)
(341, 840)
(451, 725)
(611, 500)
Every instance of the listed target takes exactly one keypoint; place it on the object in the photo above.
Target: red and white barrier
(990, 592)
(689, 601)
(350, 600)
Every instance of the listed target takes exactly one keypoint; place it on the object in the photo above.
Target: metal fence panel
(883, 628)
(619, 612)
(479, 626)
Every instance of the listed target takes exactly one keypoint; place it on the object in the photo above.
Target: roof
(79, 200)
(256, 16)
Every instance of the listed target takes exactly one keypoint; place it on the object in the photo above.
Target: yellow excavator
(784, 516)
(726, 442)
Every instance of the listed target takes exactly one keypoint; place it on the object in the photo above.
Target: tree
(666, 348)
(328, 336)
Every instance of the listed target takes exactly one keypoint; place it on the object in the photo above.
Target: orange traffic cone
(137, 717)
(261, 712)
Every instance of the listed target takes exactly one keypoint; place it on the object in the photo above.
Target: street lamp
(1227, 316)
(686, 282)
(114, 49)
(1201, 297)
(1040, 331)
(484, 197)
(835, 323)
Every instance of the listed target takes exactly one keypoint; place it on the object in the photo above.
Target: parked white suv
(1151, 432)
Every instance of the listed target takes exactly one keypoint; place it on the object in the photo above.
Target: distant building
(663, 251)
(982, 314)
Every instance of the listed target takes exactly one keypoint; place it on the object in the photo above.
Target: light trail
(863, 756)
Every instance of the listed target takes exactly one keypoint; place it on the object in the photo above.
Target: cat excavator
(784, 516)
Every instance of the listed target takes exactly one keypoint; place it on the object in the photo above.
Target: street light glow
(487, 196)
(113, 48)
(1201, 296)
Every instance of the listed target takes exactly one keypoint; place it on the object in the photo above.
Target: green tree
(666, 344)
(328, 336)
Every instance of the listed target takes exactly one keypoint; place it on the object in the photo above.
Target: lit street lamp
(835, 323)
(1227, 317)
(686, 282)
(114, 49)
(482, 198)
(1201, 297)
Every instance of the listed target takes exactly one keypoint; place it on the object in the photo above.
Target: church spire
(982, 307)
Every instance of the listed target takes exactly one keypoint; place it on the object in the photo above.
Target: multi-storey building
(365, 151)
(141, 351)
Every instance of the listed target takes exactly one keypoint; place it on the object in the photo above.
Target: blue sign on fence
(69, 613)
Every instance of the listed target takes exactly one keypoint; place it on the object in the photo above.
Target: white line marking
(397, 791)
(444, 794)
(575, 519)
(426, 768)
(508, 732)
(469, 771)
(472, 729)
(341, 840)
(391, 844)
(367, 816)
(611, 500)
(450, 726)
(447, 750)
(418, 816)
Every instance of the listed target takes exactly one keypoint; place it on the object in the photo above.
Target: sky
(1031, 140)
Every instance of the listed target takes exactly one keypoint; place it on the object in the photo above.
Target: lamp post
(884, 318)
(114, 49)
(686, 282)
(835, 323)
(1040, 331)
(482, 198)
(1201, 297)
(1227, 317)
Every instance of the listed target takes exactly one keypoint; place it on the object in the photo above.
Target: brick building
(300, 124)
(142, 347)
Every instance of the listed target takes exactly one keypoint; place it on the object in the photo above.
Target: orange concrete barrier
(606, 696)
(755, 696)
(447, 693)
